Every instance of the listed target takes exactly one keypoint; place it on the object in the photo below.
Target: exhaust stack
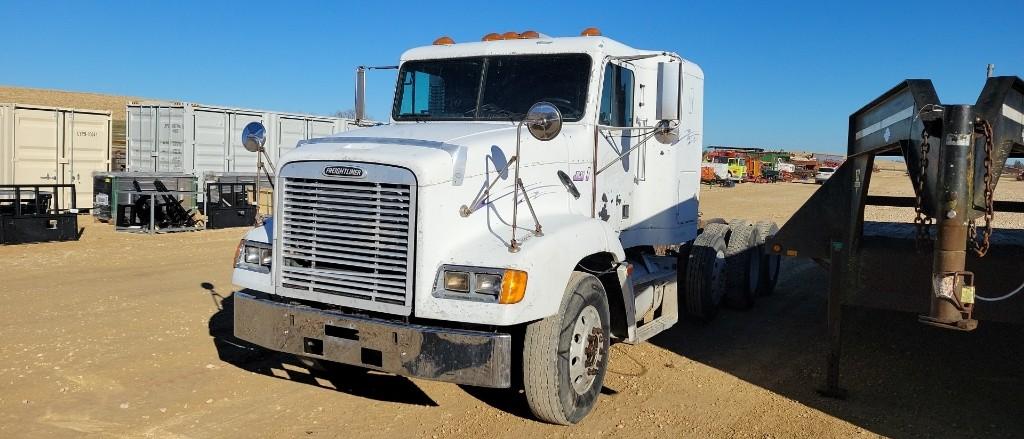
(360, 94)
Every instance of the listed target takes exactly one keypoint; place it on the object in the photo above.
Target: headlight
(499, 285)
(488, 284)
(456, 281)
(255, 256)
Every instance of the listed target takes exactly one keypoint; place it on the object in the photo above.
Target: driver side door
(616, 135)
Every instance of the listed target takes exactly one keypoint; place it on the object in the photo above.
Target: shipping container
(199, 139)
(47, 145)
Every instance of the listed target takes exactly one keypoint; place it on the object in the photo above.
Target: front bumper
(473, 358)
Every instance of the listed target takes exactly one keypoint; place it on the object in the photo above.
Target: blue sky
(778, 74)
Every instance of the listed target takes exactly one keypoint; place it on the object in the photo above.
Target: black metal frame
(39, 218)
(155, 211)
(239, 212)
(830, 227)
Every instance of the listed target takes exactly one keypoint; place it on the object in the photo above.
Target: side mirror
(544, 121)
(254, 136)
(667, 107)
(667, 132)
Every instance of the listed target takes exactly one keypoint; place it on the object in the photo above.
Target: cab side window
(617, 97)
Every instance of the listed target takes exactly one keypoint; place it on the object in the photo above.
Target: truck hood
(436, 152)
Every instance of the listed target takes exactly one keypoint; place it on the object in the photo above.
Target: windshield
(491, 88)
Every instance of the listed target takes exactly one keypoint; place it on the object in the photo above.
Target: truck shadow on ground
(904, 379)
(353, 381)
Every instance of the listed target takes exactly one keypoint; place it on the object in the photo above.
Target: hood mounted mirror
(254, 136)
(544, 121)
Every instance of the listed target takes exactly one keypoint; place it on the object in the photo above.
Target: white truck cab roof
(597, 47)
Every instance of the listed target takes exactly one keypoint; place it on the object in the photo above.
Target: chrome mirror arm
(646, 136)
(467, 210)
(544, 122)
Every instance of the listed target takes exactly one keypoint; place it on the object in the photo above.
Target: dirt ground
(122, 335)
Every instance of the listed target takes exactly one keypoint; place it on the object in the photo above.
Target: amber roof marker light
(493, 36)
(529, 35)
(510, 35)
(444, 41)
(591, 32)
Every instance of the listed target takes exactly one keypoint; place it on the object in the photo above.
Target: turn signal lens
(513, 287)
(456, 281)
(591, 32)
(444, 41)
(238, 252)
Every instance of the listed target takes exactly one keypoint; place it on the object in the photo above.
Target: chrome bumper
(465, 357)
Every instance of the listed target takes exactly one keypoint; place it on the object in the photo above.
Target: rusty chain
(922, 222)
(981, 246)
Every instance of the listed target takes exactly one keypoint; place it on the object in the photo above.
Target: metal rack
(38, 213)
(145, 203)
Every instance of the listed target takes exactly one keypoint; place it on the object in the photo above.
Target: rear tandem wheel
(705, 272)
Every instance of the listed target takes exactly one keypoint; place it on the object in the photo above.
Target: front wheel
(565, 356)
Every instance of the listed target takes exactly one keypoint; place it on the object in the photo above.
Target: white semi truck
(533, 200)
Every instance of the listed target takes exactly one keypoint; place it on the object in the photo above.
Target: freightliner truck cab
(532, 200)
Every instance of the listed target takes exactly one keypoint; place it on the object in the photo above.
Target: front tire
(565, 356)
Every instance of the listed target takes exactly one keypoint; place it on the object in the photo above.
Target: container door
(86, 150)
(289, 132)
(170, 135)
(241, 159)
(36, 146)
(320, 128)
(142, 153)
(211, 138)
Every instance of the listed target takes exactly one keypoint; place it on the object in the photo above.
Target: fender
(251, 279)
(549, 260)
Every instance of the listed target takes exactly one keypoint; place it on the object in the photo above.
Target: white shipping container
(47, 145)
(200, 139)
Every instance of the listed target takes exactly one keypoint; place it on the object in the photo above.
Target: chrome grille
(347, 242)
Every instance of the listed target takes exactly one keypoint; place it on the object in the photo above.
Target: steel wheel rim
(583, 336)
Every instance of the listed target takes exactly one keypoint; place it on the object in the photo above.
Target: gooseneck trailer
(951, 266)
(533, 200)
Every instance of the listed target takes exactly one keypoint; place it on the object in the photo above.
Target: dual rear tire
(728, 264)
